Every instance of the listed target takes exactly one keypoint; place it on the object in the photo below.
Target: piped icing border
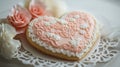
(63, 51)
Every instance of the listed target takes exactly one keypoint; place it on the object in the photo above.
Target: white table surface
(109, 9)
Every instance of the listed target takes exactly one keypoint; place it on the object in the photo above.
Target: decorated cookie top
(72, 32)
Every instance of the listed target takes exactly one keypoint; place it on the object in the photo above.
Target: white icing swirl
(50, 22)
(76, 41)
(84, 25)
(76, 16)
(54, 36)
(71, 19)
(62, 21)
(82, 32)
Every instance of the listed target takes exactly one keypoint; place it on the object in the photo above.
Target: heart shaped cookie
(70, 37)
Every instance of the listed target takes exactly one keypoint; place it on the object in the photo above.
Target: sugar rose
(19, 17)
(36, 8)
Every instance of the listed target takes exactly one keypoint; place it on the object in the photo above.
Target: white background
(107, 11)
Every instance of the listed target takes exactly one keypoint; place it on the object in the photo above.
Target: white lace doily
(103, 52)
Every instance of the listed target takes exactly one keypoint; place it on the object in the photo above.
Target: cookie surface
(70, 37)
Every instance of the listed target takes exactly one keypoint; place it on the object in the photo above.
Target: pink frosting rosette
(37, 8)
(19, 17)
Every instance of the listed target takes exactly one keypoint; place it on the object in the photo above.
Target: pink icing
(65, 31)
(19, 16)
